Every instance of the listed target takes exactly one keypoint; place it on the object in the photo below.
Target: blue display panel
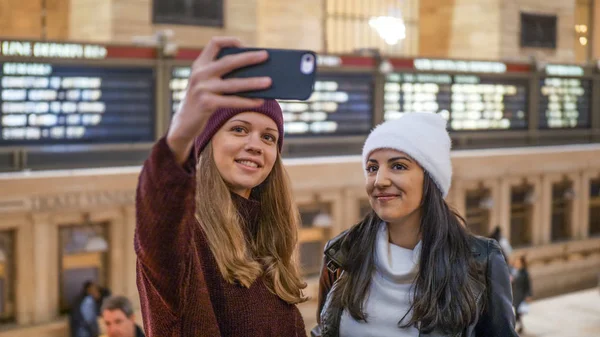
(565, 103)
(51, 104)
(342, 104)
(468, 102)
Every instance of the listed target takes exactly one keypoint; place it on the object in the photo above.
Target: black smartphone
(293, 73)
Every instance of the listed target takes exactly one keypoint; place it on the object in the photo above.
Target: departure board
(177, 85)
(468, 102)
(341, 104)
(54, 104)
(565, 103)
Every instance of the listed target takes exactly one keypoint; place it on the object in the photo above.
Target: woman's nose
(382, 179)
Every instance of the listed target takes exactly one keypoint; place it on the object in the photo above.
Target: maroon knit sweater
(181, 289)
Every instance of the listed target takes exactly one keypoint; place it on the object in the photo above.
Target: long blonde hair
(272, 250)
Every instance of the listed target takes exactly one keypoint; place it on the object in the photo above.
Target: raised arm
(165, 192)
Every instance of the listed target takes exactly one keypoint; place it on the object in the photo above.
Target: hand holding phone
(208, 90)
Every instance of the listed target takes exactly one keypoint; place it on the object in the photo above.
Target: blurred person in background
(104, 294)
(83, 317)
(411, 267)
(502, 241)
(216, 228)
(522, 293)
(118, 317)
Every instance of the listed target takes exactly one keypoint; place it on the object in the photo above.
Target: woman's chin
(242, 187)
(391, 217)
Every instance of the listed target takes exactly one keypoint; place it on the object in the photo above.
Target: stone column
(576, 206)
(23, 259)
(351, 200)
(19, 21)
(495, 187)
(584, 204)
(595, 30)
(46, 268)
(90, 21)
(542, 213)
(476, 29)
(459, 198)
(337, 212)
(116, 252)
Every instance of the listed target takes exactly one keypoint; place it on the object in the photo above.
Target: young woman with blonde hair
(216, 225)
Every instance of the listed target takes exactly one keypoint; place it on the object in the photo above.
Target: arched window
(83, 257)
(314, 233)
(390, 26)
(521, 213)
(562, 202)
(478, 206)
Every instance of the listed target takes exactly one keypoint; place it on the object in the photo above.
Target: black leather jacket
(496, 319)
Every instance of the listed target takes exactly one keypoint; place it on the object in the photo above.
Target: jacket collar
(336, 255)
(336, 258)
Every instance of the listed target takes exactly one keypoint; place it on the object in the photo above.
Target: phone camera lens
(307, 65)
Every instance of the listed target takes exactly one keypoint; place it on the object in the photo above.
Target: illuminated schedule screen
(44, 103)
(468, 102)
(177, 85)
(341, 104)
(565, 103)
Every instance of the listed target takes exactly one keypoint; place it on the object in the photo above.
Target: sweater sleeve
(161, 239)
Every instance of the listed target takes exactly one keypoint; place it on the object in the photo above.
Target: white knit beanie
(422, 136)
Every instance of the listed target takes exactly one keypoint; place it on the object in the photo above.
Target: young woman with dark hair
(410, 267)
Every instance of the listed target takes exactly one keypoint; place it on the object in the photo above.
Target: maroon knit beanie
(270, 108)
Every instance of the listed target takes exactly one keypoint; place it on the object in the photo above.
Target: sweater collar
(243, 203)
(397, 264)
(249, 211)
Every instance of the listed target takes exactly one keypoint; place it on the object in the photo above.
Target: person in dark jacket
(411, 267)
(502, 241)
(83, 317)
(521, 289)
(104, 294)
(119, 319)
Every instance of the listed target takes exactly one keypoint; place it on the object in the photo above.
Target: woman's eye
(270, 138)
(237, 129)
(372, 168)
(399, 167)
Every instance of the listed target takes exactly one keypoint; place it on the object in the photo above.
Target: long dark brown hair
(444, 290)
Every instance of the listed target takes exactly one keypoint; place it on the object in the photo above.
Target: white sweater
(389, 294)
